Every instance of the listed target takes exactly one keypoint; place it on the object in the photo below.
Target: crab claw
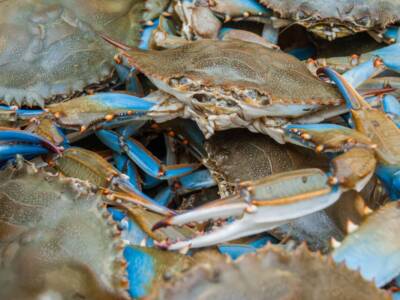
(13, 142)
(359, 74)
(374, 248)
(111, 108)
(259, 206)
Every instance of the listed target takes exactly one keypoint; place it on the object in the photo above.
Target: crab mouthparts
(331, 30)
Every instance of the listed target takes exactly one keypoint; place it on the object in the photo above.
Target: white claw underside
(264, 218)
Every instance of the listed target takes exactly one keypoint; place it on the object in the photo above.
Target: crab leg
(129, 77)
(390, 56)
(391, 107)
(259, 206)
(13, 142)
(142, 157)
(126, 166)
(359, 74)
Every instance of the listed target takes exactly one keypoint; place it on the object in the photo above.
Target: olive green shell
(56, 239)
(50, 49)
(271, 274)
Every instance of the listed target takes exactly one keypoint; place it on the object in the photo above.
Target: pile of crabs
(199, 149)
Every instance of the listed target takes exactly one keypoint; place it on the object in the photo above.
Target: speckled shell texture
(55, 241)
(50, 48)
(380, 12)
(232, 64)
(272, 274)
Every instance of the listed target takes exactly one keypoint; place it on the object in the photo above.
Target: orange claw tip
(378, 62)
(109, 117)
(117, 59)
(161, 224)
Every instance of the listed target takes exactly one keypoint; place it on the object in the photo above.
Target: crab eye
(364, 21)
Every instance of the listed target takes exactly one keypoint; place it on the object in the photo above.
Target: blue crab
(59, 240)
(265, 203)
(50, 50)
(254, 95)
(271, 273)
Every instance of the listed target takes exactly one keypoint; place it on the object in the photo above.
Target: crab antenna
(115, 43)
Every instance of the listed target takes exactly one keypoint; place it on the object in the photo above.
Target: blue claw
(10, 151)
(374, 247)
(359, 74)
(13, 142)
(142, 157)
(391, 106)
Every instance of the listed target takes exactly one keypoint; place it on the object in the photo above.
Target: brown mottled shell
(272, 274)
(55, 239)
(236, 64)
(380, 13)
(50, 48)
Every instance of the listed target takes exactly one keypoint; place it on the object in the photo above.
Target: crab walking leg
(374, 248)
(260, 206)
(142, 157)
(126, 166)
(385, 58)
